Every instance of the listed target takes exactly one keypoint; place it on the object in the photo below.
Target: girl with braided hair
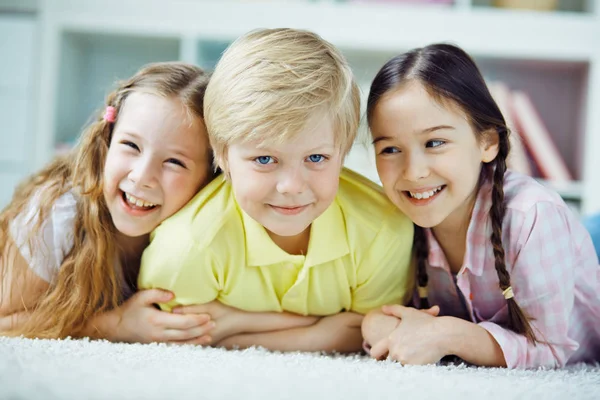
(509, 272)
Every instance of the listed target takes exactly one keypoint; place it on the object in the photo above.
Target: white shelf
(373, 27)
(554, 56)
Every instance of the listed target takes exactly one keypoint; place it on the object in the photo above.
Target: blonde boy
(285, 228)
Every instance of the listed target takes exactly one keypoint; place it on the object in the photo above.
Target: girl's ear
(490, 142)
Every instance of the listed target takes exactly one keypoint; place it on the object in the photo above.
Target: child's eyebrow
(436, 128)
(380, 139)
(130, 134)
(322, 147)
(179, 152)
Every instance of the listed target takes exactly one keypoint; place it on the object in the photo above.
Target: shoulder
(522, 193)
(536, 213)
(60, 216)
(364, 202)
(204, 217)
(44, 244)
(530, 204)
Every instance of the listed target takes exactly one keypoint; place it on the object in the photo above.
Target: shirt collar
(328, 241)
(477, 231)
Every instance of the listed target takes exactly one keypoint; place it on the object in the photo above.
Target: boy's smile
(289, 210)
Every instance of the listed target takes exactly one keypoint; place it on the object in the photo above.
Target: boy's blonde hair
(270, 82)
(88, 280)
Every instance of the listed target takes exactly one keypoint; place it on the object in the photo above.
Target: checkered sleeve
(542, 277)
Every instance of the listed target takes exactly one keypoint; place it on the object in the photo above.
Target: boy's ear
(221, 160)
(490, 143)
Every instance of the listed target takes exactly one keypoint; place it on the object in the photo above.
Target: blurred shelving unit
(18, 34)
(554, 56)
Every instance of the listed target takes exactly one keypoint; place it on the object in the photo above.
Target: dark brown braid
(517, 321)
(421, 253)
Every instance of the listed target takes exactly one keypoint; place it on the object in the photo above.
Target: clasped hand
(416, 339)
(138, 320)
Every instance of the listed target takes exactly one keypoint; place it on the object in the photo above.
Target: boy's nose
(292, 181)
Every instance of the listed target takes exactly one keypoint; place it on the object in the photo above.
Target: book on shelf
(537, 138)
(518, 159)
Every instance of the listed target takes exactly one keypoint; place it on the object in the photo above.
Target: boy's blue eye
(316, 158)
(264, 160)
(434, 143)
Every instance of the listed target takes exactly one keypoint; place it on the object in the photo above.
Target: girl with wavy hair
(72, 237)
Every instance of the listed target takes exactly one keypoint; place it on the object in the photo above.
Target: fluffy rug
(82, 369)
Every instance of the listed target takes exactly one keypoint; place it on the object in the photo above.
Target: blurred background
(541, 58)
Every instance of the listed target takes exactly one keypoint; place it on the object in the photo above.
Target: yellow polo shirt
(358, 255)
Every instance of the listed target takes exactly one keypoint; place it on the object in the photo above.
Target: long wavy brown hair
(448, 73)
(89, 281)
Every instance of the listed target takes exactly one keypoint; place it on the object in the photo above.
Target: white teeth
(425, 195)
(138, 202)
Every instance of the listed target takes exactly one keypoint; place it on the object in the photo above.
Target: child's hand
(228, 321)
(140, 321)
(377, 326)
(416, 340)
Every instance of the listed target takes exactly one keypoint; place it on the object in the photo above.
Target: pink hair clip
(110, 114)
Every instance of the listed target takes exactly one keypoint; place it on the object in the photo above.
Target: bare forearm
(101, 326)
(12, 322)
(273, 321)
(471, 342)
(341, 335)
(297, 339)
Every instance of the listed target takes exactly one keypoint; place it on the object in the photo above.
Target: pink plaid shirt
(554, 273)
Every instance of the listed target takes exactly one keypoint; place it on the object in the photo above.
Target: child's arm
(21, 288)
(231, 321)
(138, 320)
(422, 338)
(470, 342)
(339, 332)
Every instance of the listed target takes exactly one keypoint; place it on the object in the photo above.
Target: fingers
(193, 334)
(198, 341)
(152, 296)
(182, 321)
(380, 350)
(395, 310)
(433, 311)
(192, 309)
(398, 310)
(197, 335)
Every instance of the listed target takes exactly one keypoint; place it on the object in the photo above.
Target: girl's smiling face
(158, 159)
(428, 156)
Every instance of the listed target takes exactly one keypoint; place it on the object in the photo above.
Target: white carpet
(81, 369)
